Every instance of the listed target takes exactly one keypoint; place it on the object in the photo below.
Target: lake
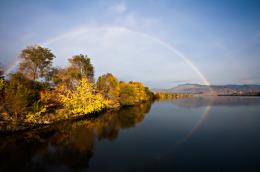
(192, 134)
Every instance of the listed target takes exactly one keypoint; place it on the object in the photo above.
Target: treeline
(165, 95)
(39, 92)
(242, 94)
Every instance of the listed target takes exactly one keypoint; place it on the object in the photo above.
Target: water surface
(193, 134)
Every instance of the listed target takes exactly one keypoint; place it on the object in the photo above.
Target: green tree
(82, 67)
(108, 86)
(35, 61)
(20, 94)
(67, 77)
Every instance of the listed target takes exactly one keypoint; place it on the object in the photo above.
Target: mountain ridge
(228, 89)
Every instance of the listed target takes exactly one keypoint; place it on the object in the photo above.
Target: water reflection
(228, 141)
(194, 134)
(67, 146)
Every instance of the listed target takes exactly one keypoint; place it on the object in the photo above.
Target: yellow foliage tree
(108, 86)
(83, 99)
(2, 84)
(134, 93)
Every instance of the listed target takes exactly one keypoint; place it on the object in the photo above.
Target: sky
(162, 43)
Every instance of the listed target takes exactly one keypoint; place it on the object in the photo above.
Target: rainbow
(178, 53)
(8, 69)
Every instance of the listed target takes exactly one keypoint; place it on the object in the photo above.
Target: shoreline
(13, 127)
(21, 126)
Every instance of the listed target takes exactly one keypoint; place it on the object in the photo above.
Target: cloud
(118, 8)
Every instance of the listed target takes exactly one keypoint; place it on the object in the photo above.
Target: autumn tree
(35, 61)
(108, 86)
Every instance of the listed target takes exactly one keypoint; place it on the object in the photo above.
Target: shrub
(83, 99)
(133, 93)
(37, 112)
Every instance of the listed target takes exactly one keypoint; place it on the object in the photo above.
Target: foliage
(36, 61)
(51, 74)
(37, 112)
(165, 95)
(108, 86)
(133, 93)
(127, 94)
(80, 67)
(66, 77)
(149, 93)
(47, 97)
(83, 99)
(2, 84)
(19, 95)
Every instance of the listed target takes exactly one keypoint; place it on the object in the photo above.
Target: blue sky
(161, 43)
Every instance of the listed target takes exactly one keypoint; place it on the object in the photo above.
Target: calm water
(195, 134)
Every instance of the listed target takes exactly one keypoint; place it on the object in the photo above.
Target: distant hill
(214, 89)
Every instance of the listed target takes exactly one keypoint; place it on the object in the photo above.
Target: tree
(20, 94)
(82, 67)
(127, 94)
(108, 86)
(36, 61)
(133, 93)
(51, 74)
(67, 77)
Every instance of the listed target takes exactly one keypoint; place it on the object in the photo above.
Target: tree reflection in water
(66, 146)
